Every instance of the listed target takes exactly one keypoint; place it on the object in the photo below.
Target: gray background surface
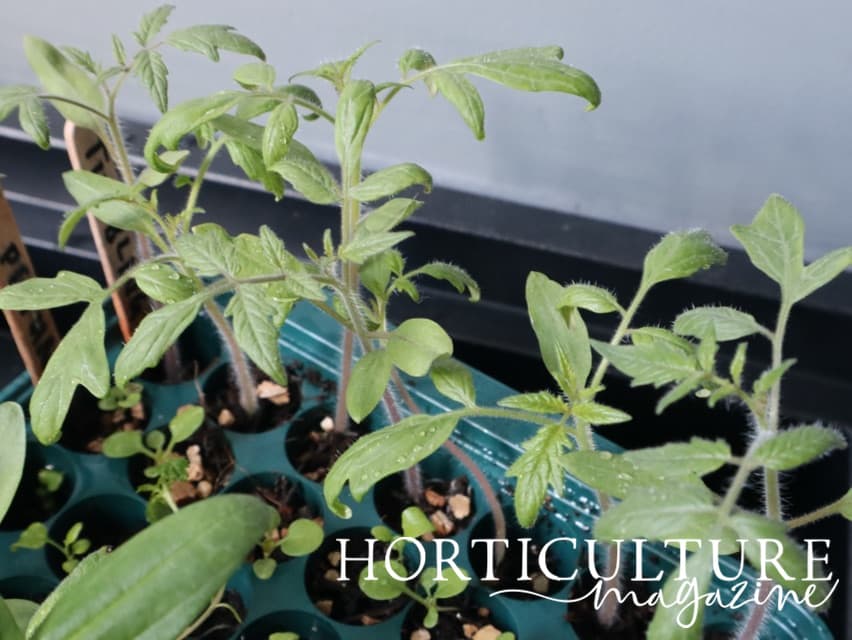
(709, 105)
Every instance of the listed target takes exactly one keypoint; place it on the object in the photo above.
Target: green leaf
(367, 384)
(431, 617)
(208, 250)
(9, 628)
(656, 363)
(538, 402)
(539, 466)
(599, 414)
(771, 377)
(562, 336)
(278, 133)
(13, 435)
(385, 586)
(48, 293)
(33, 537)
(415, 523)
(845, 505)
(797, 446)
(22, 611)
(680, 255)
(775, 242)
(264, 568)
(460, 92)
(286, 635)
(123, 444)
(80, 359)
(14, 95)
(353, 120)
(738, 363)
(606, 472)
(454, 380)
(591, 298)
(250, 160)
(678, 392)
(822, 271)
(415, 344)
(673, 623)
(162, 283)
(73, 534)
(793, 561)
(185, 423)
(456, 276)
(389, 215)
(383, 453)
(303, 537)
(207, 39)
(308, 175)
(724, 322)
(60, 77)
(383, 533)
(698, 457)
(366, 244)
(152, 71)
(451, 585)
(257, 331)
(130, 593)
(391, 180)
(154, 335)
(89, 188)
(33, 120)
(255, 75)
(152, 23)
(660, 512)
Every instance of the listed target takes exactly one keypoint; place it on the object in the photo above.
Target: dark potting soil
(311, 449)
(441, 500)
(461, 624)
(87, 426)
(343, 600)
(33, 502)
(632, 621)
(102, 532)
(221, 395)
(222, 623)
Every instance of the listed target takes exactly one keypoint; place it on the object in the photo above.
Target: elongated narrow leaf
(152, 71)
(796, 446)
(157, 583)
(389, 215)
(208, 39)
(250, 159)
(282, 125)
(771, 377)
(47, 293)
(60, 77)
(156, 333)
(186, 422)
(13, 435)
(775, 242)
(255, 75)
(88, 188)
(590, 298)
(460, 279)
(80, 359)
(383, 453)
(696, 457)
(680, 255)
(536, 469)
(152, 22)
(599, 414)
(415, 344)
(162, 283)
(367, 384)
(308, 175)
(460, 92)
(453, 380)
(724, 322)
(390, 181)
(538, 402)
(656, 363)
(33, 120)
(367, 244)
(353, 120)
(256, 330)
(822, 271)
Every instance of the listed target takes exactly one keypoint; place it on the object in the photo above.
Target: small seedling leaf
(599, 414)
(680, 255)
(797, 446)
(33, 537)
(537, 402)
(123, 444)
(771, 377)
(303, 537)
(415, 523)
(385, 586)
(264, 568)
(186, 422)
(390, 181)
(454, 380)
(367, 384)
(590, 298)
(415, 344)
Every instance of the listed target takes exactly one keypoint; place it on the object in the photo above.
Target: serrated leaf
(796, 446)
(13, 435)
(536, 469)
(384, 586)
(154, 74)
(123, 444)
(538, 402)
(383, 453)
(454, 380)
(775, 242)
(673, 623)
(460, 92)
(590, 298)
(415, 523)
(282, 125)
(772, 376)
(256, 330)
(376, 272)
(822, 271)
(208, 250)
(599, 414)
(367, 384)
(60, 77)
(162, 283)
(80, 359)
(680, 255)
(308, 175)
(255, 75)
(154, 335)
(460, 279)
(389, 215)
(303, 537)
(366, 244)
(152, 23)
(48, 293)
(390, 181)
(208, 39)
(606, 472)
(415, 344)
(656, 363)
(13, 95)
(33, 121)
(696, 457)
(725, 323)
(562, 336)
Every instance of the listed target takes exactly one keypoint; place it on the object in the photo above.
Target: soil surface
(33, 502)
(448, 504)
(469, 621)
(222, 625)
(313, 445)
(86, 426)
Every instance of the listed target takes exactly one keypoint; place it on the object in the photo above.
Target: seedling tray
(100, 489)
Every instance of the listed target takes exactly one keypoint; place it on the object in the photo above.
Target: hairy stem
(757, 614)
(771, 487)
(816, 514)
(341, 417)
(239, 363)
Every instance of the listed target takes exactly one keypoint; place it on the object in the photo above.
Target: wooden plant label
(34, 332)
(116, 247)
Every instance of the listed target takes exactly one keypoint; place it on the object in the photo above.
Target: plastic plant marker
(116, 247)
(34, 332)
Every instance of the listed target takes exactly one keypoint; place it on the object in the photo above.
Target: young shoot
(73, 547)
(300, 538)
(125, 397)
